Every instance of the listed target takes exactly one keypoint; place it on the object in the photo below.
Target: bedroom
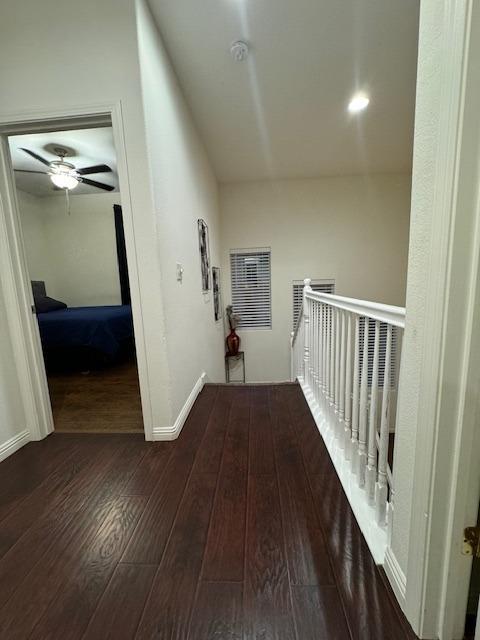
(76, 257)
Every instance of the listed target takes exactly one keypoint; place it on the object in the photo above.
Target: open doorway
(71, 223)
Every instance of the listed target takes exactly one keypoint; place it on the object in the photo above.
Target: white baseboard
(13, 444)
(395, 576)
(375, 536)
(172, 432)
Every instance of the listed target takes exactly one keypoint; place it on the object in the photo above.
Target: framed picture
(217, 299)
(204, 254)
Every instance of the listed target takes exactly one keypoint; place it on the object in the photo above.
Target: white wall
(351, 229)
(101, 68)
(75, 254)
(33, 222)
(184, 189)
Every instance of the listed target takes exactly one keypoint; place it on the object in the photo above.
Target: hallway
(239, 529)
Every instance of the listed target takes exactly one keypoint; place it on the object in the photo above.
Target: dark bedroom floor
(237, 530)
(104, 400)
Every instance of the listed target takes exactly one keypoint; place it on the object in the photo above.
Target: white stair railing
(346, 356)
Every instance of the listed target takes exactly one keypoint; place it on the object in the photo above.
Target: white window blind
(251, 287)
(325, 286)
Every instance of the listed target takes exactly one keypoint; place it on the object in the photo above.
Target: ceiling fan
(64, 175)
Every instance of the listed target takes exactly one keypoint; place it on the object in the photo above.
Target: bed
(85, 336)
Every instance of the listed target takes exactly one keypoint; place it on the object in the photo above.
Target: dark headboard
(38, 288)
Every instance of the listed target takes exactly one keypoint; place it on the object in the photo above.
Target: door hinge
(471, 542)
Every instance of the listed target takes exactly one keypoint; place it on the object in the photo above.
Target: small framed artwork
(204, 254)
(217, 298)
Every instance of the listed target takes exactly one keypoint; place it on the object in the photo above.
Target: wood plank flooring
(238, 530)
(98, 401)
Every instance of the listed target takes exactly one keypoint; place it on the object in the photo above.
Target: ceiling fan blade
(36, 156)
(44, 173)
(98, 168)
(99, 185)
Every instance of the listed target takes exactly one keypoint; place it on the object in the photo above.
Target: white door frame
(13, 265)
(446, 480)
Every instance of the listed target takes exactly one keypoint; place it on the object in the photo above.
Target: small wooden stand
(239, 356)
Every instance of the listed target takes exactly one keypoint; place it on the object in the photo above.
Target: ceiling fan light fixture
(64, 180)
(63, 175)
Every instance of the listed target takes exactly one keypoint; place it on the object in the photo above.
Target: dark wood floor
(103, 400)
(239, 529)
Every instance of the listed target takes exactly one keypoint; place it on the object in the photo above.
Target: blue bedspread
(100, 328)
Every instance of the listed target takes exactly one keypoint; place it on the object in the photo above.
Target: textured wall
(75, 253)
(353, 229)
(184, 189)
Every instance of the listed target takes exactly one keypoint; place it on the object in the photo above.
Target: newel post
(306, 322)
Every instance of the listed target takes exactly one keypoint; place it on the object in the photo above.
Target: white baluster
(301, 345)
(297, 342)
(292, 357)
(341, 377)
(337, 371)
(362, 430)
(324, 357)
(310, 359)
(381, 494)
(302, 355)
(297, 347)
(320, 353)
(300, 349)
(306, 322)
(348, 388)
(332, 362)
(315, 342)
(371, 475)
(356, 395)
(328, 310)
(312, 342)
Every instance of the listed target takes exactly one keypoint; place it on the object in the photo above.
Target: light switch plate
(179, 272)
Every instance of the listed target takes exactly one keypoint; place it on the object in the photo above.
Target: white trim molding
(13, 444)
(14, 272)
(172, 432)
(396, 576)
(440, 372)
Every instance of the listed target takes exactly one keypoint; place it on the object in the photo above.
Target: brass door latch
(471, 542)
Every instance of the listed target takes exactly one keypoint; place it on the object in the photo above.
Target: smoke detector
(239, 51)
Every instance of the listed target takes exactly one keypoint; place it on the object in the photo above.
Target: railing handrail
(377, 311)
(297, 323)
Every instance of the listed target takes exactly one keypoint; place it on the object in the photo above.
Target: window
(251, 287)
(325, 286)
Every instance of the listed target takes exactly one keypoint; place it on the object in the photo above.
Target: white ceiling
(282, 113)
(91, 147)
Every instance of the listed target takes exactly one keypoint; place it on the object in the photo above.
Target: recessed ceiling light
(359, 102)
